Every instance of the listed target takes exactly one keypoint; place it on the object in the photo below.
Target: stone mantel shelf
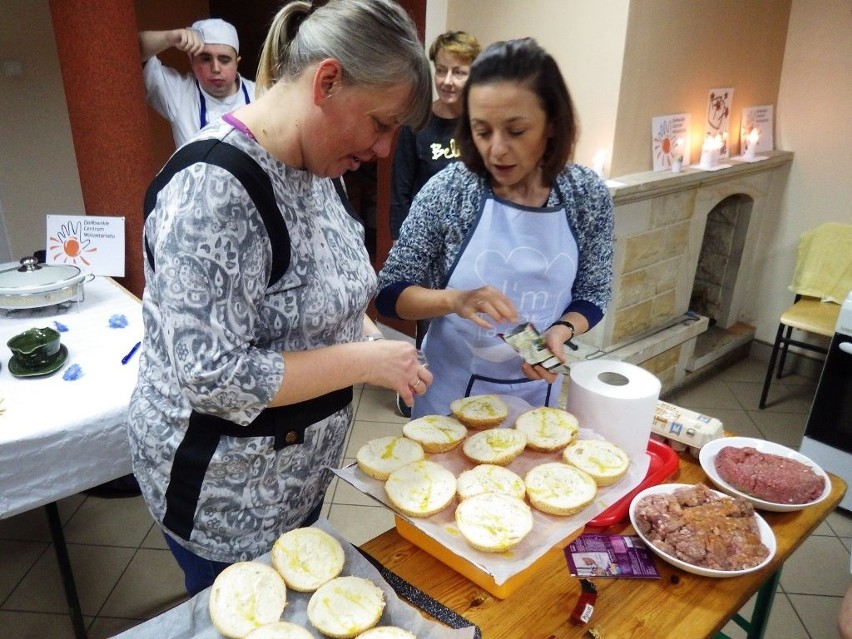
(651, 184)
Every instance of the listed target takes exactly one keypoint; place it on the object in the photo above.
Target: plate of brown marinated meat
(771, 476)
(701, 530)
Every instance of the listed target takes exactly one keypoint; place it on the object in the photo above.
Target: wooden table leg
(65, 570)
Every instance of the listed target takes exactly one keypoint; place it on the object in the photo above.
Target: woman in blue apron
(513, 233)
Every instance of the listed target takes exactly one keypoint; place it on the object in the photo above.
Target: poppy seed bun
(495, 446)
(421, 488)
(489, 478)
(548, 429)
(379, 457)
(480, 411)
(245, 596)
(559, 489)
(604, 461)
(436, 433)
(346, 606)
(492, 522)
(307, 558)
(280, 630)
(387, 632)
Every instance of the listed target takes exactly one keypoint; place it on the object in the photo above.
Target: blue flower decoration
(72, 373)
(60, 327)
(117, 321)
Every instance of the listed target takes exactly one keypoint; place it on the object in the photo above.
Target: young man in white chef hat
(190, 102)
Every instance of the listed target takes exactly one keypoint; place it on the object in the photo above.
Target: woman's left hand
(538, 372)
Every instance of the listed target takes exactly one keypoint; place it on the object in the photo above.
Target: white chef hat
(216, 31)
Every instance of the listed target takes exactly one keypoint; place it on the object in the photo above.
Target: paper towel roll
(615, 399)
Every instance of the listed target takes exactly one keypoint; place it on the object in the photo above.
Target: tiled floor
(125, 574)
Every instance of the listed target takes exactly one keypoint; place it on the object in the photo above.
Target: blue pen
(132, 352)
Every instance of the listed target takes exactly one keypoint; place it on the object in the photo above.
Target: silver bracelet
(372, 338)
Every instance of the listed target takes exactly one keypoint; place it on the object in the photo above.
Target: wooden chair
(822, 278)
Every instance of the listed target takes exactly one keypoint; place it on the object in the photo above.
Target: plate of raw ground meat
(701, 530)
(770, 476)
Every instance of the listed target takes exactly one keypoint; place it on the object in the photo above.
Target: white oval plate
(707, 458)
(766, 536)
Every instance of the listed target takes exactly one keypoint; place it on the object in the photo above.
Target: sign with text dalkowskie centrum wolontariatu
(93, 243)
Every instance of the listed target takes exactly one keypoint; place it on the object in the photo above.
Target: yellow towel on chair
(824, 263)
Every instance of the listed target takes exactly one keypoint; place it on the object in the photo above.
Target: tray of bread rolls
(498, 485)
(313, 584)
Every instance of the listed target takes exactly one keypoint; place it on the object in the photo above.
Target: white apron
(530, 254)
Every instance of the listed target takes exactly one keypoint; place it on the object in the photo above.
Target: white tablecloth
(58, 436)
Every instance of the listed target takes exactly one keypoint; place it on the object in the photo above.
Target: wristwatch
(565, 323)
(568, 342)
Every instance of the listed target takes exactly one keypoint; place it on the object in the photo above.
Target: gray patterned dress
(214, 333)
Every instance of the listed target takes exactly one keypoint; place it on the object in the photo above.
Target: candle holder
(677, 164)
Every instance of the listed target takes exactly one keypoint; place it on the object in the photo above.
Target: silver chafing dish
(34, 285)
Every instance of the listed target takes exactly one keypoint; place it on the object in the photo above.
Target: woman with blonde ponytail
(244, 393)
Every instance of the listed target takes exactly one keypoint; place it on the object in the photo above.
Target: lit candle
(677, 156)
(598, 162)
(751, 146)
(710, 151)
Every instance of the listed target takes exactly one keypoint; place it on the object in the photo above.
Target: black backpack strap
(249, 173)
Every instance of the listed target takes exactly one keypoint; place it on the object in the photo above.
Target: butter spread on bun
(495, 446)
(480, 411)
(379, 457)
(346, 606)
(421, 489)
(604, 461)
(307, 558)
(245, 596)
(559, 489)
(435, 433)
(492, 522)
(489, 478)
(548, 429)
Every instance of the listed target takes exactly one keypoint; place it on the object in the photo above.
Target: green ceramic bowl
(35, 347)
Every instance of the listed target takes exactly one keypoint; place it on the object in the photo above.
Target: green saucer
(45, 369)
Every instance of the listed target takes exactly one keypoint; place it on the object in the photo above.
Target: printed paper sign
(718, 115)
(760, 118)
(670, 140)
(95, 244)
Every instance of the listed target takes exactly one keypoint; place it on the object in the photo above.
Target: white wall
(38, 168)
(813, 120)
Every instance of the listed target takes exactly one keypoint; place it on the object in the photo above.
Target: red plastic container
(664, 462)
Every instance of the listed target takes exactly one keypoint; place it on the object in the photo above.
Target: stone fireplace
(682, 264)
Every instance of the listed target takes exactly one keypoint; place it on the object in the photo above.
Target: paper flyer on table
(548, 530)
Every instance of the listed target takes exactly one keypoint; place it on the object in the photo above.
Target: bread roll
(346, 606)
(379, 457)
(559, 489)
(280, 630)
(387, 632)
(548, 429)
(421, 488)
(307, 558)
(436, 433)
(492, 522)
(489, 478)
(480, 411)
(604, 461)
(495, 446)
(245, 596)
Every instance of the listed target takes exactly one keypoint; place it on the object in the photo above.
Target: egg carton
(684, 429)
